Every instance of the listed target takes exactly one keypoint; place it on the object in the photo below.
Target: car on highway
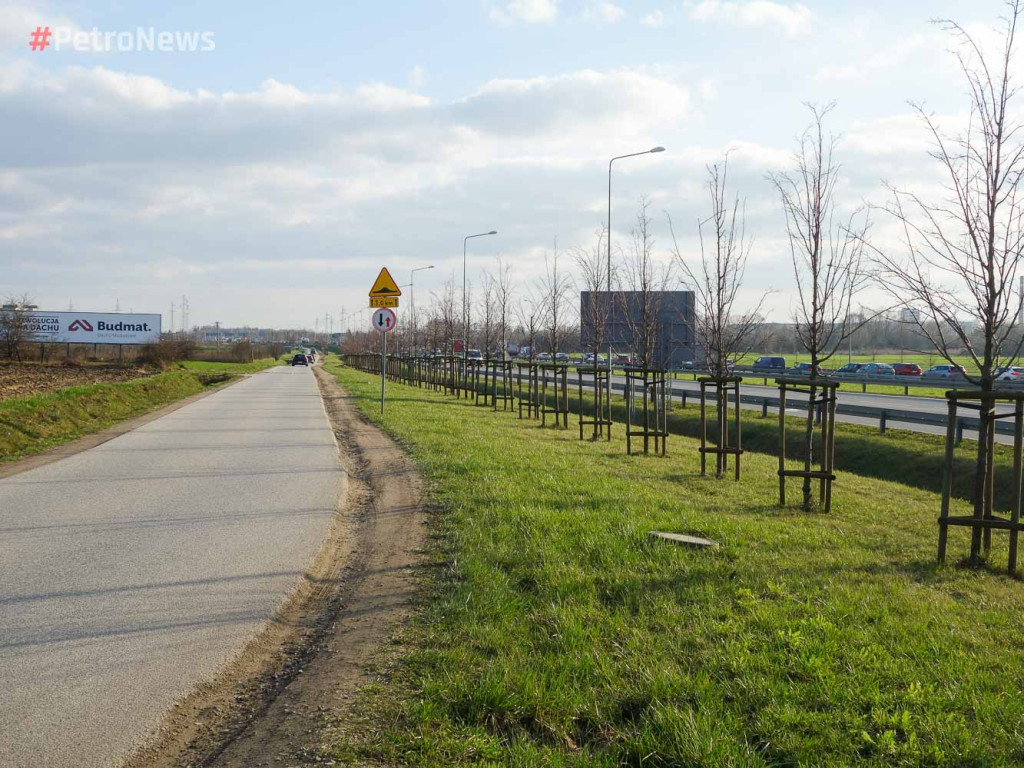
(544, 357)
(877, 370)
(850, 369)
(299, 359)
(945, 371)
(804, 369)
(1013, 373)
(474, 354)
(591, 359)
(622, 360)
(561, 357)
(770, 364)
(907, 369)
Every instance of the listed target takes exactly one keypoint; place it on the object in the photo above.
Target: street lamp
(465, 305)
(412, 304)
(609, 235)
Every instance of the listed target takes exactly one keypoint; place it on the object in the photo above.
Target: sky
(273, 158)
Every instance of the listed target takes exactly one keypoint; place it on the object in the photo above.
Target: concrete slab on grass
(682, 538)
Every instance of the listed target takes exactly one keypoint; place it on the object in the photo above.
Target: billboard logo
(80, 325)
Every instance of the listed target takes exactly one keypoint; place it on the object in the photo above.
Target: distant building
(674, 320)
(910, 315)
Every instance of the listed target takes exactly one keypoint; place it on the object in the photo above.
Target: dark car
(907, 369)
(849, 369)
(804, 369)
(299, 359)
(770, 363)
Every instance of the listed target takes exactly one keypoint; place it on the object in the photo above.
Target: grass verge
(30, 425)
(555, 633)
(204, 366)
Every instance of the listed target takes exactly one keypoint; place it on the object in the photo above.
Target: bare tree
(530, 310)
(716, 281)
(16, 324)
(557, 287)
(826, 251)
(448, 312)
(646, 280)
(504, 290)
(961, 255)
(488, 312)
(594, 313)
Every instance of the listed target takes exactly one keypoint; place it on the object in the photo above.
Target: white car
(1013, 373)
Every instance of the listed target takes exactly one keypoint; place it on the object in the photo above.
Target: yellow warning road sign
(385, 285)
(383, 301)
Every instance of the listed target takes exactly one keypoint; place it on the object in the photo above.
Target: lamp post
(609, 235)
(412, 305)
(465, 305)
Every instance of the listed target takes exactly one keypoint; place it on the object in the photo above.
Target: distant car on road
(1013, 373)
(907, 369)
(474, 354)
(770, 364)
(946, 371)
(850, 369)
(804, 369)
(299, 359)
(876, 369)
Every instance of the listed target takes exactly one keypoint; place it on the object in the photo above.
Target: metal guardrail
(882, 415)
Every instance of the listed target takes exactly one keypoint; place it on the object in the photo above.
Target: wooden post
(1018, 428)
(703, 429)
(947, 475)
(739, 430)
(782, 444)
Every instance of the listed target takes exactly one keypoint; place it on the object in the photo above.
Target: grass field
(553, 632)
(256, 366)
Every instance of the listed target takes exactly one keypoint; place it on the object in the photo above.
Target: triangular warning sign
(385, 285)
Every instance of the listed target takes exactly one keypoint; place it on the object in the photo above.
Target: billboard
(93, 327)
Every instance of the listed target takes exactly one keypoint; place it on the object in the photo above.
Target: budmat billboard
(93, 327)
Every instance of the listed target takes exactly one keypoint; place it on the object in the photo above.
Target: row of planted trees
(953, 263)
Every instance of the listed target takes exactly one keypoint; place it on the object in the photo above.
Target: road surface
(135, 570)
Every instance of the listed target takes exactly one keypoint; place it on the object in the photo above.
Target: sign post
(383, 320)
(383, 296)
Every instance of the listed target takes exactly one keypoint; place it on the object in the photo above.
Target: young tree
(488, 312)
(503, 292)
(557, 287)
(593, 267)
(961, 255)
(717, 278)
(826, 252)
(15, 324)
(646, 280)
(448, 311)
(530, 310)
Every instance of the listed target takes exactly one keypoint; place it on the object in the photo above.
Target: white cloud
(17, 22)
(603, 11)
(793, 19)
(654, 19)
(530, 11)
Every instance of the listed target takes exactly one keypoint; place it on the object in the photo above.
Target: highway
(135, 570)
(796, 404)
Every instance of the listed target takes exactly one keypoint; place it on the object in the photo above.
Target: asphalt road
(133, 571)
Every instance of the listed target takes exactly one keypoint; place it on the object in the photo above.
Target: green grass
(204, 366)
(553, 632)
(30, 425)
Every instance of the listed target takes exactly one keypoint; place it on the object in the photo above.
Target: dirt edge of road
(275, 703)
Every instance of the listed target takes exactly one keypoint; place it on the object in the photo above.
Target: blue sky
(318, 143)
